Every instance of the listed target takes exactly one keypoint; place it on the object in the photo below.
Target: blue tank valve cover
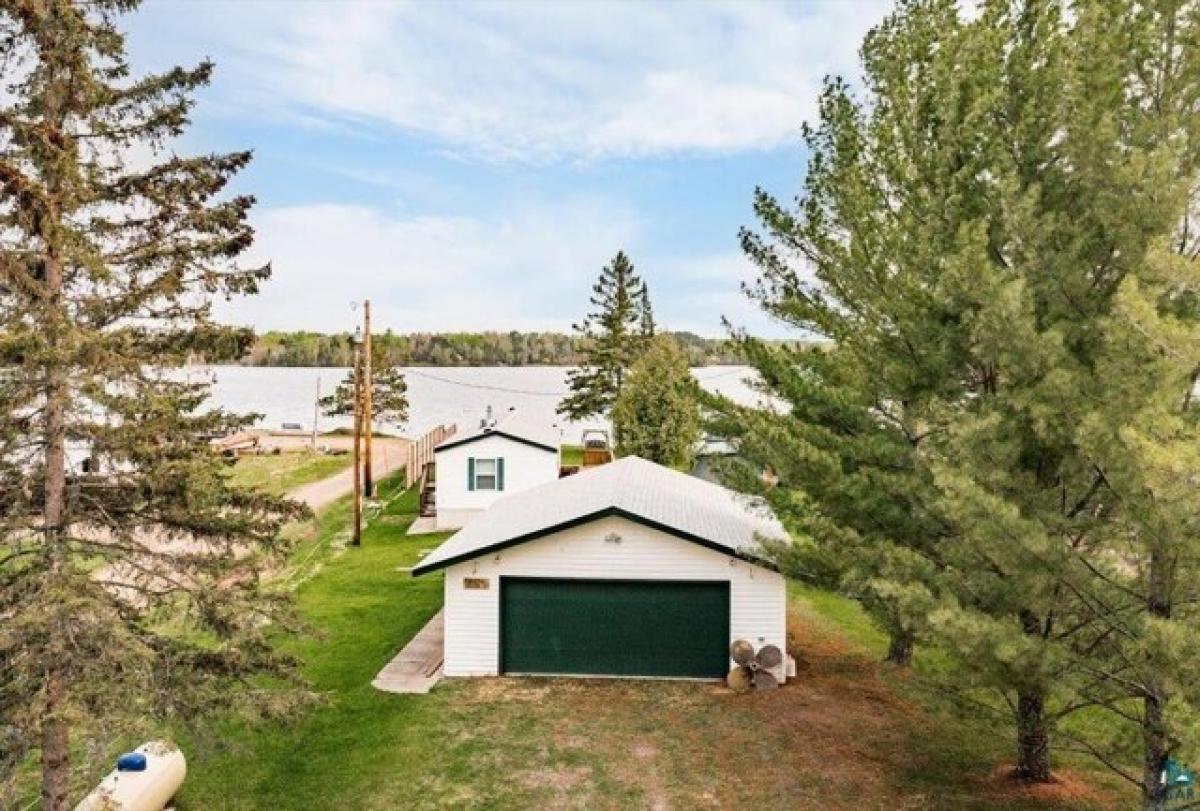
(131, 762)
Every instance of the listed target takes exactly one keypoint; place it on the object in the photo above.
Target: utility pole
(316, 414)
(368, 404)
(356, 533)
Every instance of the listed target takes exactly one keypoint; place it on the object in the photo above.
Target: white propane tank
(148, 790)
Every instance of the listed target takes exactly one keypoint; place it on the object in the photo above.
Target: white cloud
(528, 269)
(542, 81)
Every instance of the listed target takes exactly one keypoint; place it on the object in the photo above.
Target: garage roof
(511, 425)
(633, 488)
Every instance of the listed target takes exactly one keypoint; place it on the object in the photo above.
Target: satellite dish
(752, 671)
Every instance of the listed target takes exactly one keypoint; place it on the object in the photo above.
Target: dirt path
(388, 456)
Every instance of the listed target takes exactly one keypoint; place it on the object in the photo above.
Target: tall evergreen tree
(966, 236)
(1141, 573)
(612, 337)
(646, 324)
(657, 415)
(389, 392)
(133, 595)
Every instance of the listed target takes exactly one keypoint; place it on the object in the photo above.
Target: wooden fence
(420, 452)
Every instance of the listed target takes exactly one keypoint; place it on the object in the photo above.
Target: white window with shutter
(485, 474)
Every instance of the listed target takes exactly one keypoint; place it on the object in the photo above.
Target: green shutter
(471, 473)
(500, 473)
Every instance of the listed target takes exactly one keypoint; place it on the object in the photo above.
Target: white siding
(758, 597)
(524, 466)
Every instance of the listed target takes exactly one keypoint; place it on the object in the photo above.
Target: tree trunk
(56, 756)
(56, 764)
(1155, 750)
(1155, 744)
(1033, 738)
(900, 649)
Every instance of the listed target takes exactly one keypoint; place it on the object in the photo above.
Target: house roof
(632, 488)
(512, 425)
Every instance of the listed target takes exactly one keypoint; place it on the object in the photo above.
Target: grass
(281, 473)
(843, 615)
(572, 456)
(847, 734)
(362, 608)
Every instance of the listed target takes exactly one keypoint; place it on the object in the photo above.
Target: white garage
(628, 569)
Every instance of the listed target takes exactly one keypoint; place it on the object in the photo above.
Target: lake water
(436, 395)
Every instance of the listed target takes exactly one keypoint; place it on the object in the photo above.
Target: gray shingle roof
(643, 491)
(514, 425)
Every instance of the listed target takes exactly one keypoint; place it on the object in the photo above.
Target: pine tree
(656, 415)
(133, 595)
(389, 392)
(965, 233)
(612, 339)
(1072, 459)
(851, 487)
(646, 316)
(1143, 575)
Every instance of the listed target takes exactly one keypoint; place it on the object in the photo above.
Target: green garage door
(619, 628)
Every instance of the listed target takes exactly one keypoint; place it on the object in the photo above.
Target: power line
(531, 393)
(464, 384)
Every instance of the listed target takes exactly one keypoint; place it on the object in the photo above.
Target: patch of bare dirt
(645, 772)
(1066, 788)
(643, 750)
(500, 688)
(561, 780)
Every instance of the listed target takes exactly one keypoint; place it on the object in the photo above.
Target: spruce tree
(968, 229)
(646, 316)
(612, 338)
(656, 416)
(132, 594)
(389, 392)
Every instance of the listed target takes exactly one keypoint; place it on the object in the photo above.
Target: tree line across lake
(457, 349)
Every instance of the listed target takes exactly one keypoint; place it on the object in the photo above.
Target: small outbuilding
(503, 455)
(628, 569)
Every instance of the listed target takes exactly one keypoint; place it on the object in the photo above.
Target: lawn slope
(280, 473)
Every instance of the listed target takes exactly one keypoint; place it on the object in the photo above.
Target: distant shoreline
(447, 365)
(460, 349)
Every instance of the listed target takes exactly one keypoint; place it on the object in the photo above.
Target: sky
(473, 166)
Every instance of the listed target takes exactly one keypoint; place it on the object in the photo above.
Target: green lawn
(572, 455)
(362, 608)
(847, 734)
(286, 471)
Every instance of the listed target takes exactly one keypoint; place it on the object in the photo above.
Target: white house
(504, 455)
(627, 569)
